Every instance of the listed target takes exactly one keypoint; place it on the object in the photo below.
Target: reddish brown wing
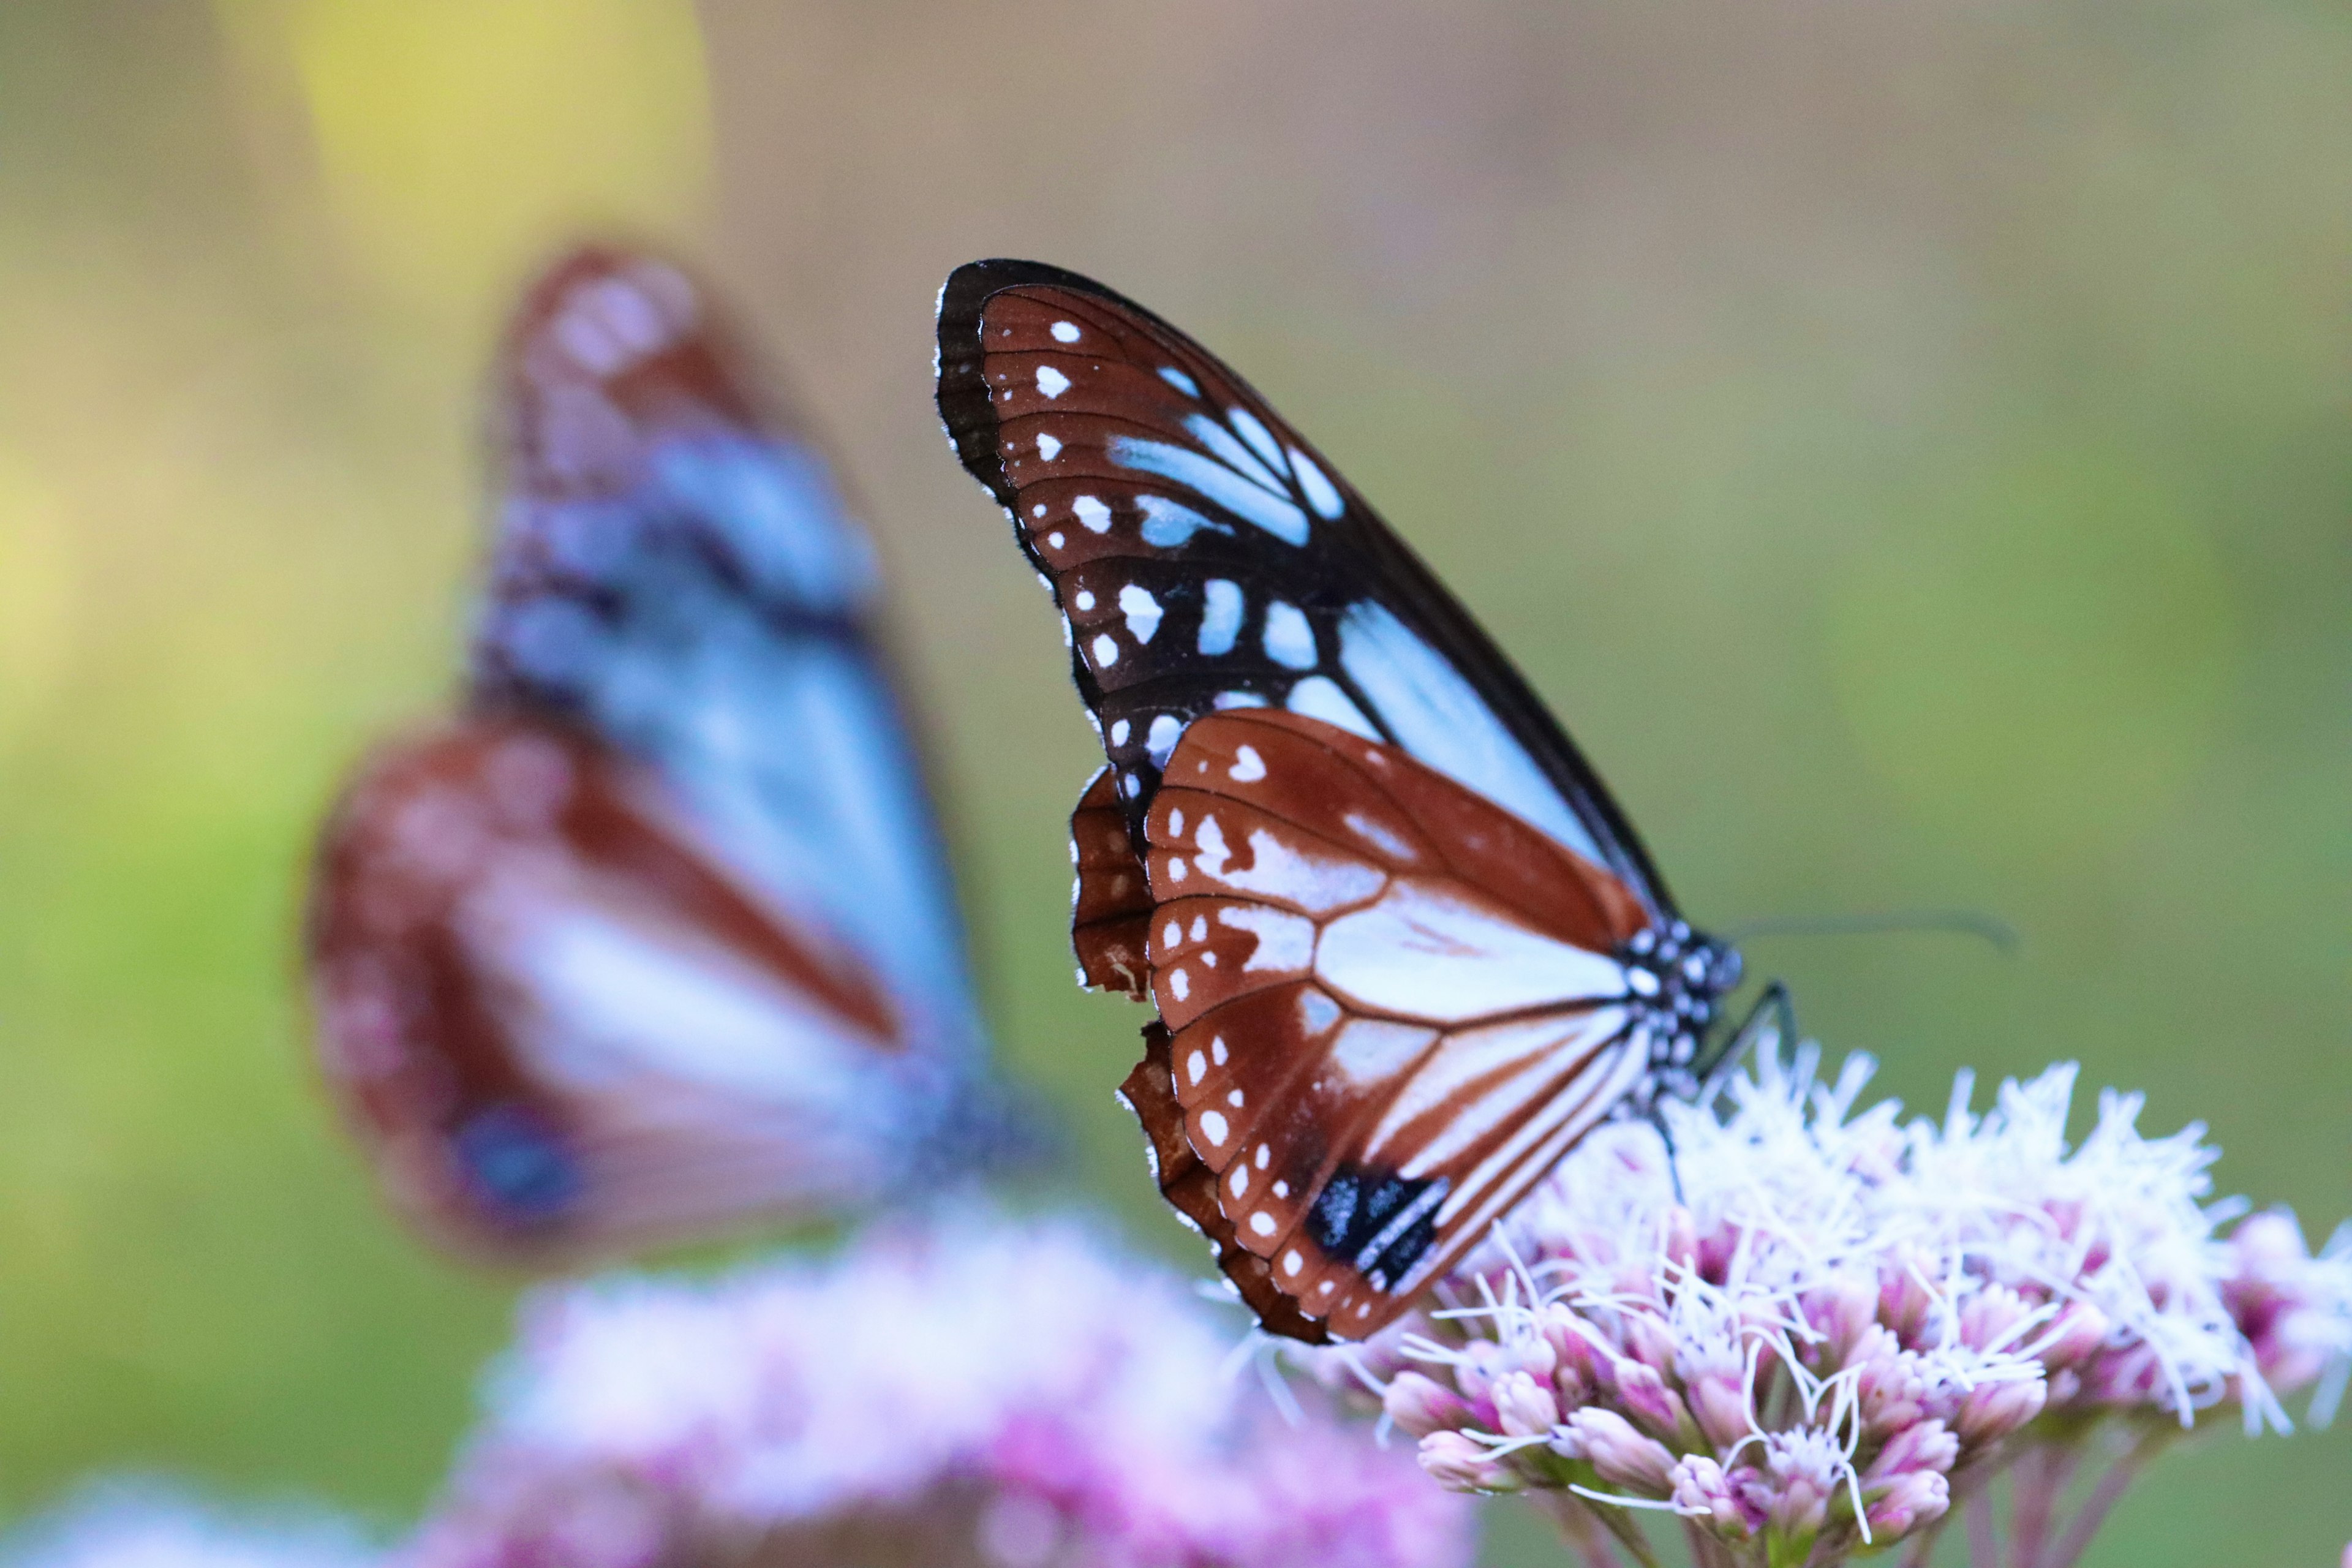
(1191, 1188)
(1392, 1006)
(489, 899)
(1111, 906)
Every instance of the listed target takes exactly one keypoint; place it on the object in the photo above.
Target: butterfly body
(1404, 948)
(656, 936)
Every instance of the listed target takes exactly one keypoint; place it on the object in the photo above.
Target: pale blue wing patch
(1437, 715)
(775, 507)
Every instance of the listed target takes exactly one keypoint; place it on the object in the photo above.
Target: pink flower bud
(2127, 1376)
(1568, 1337)
(2079, 1331)
(1804, 1468)
(1903, 1302)
(1917, 1497)
(1534, 1354)
(1993, 1410)
(1681, 1239)
(1458, 1464)
(1622, 1456)
(1421, 1405)
(1648, 1400)
(1888, 1385)
(1990, 1315)
(1703, 1492)
(1649, 1342)
(1525, 1407)
(1483, 1361)
(1840, 1312)
(1928, 1445)
(1720, 1404)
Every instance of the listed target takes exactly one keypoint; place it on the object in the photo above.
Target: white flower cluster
(1810, 1327)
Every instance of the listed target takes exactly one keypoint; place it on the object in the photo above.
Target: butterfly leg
(1773, 1018)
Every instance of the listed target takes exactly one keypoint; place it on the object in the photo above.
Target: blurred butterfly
(656, 934)
(1405, 949)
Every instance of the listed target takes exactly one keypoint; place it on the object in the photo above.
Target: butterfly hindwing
(1391, 1002)
(512, 929)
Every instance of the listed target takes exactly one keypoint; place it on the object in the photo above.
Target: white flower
(1020, 1390)
(1811, 1324)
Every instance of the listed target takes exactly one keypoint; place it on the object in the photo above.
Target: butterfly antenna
(1990, 929)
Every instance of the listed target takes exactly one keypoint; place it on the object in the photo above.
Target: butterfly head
(1678, 978)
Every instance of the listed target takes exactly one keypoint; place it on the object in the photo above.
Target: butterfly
(656, 935)
(1404, 948)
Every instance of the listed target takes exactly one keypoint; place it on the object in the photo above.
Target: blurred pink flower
(972, 1390)
(1842, 1324)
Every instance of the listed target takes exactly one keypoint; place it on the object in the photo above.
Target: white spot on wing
(1141, 610)
(1220, 615)
(1048, 448)
(1106, 648)
(1226, 700)
(1118, 730)
(1284, 941)
(1093, 516)
(1212, 1124)
(1065, 331)
(1262, 1223)
(1167, 523)
(1083, 599)
(1166, 730)
(1289, 639)
(1052, 382)
(1248, 766)
(1179, 381)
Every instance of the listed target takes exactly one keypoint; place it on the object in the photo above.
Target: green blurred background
(1907, 439)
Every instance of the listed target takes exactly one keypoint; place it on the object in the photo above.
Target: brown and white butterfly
(656, 935)
(1405, 949)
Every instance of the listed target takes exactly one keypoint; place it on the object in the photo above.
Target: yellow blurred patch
(459, 140)
(37, 598)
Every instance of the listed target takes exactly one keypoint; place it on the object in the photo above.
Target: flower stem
(1579, 1527)
(2037, 1482)
(1984, 1540)
(2093, 1512)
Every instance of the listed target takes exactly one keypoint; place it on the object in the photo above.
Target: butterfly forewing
(1207, 557)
